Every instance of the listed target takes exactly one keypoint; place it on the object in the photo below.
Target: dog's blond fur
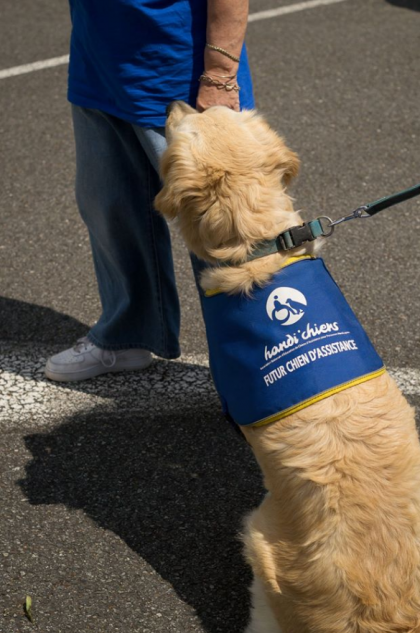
(335, 546)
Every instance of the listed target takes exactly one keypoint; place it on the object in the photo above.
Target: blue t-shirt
(130, 58)
(293, 342)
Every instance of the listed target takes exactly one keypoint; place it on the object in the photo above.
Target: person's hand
(221, 69)
(209, 96)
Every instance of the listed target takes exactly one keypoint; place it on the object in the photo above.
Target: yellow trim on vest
(212, 293)
(288, 262)
(318, 398)
(296, 258)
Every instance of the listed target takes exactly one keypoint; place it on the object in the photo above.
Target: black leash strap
(379, 205)
(370, 209)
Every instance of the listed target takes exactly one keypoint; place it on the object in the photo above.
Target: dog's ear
(176, 194)
(280, 157)
(181, 183)
(275, 155)
(289, 163)
(165, 202)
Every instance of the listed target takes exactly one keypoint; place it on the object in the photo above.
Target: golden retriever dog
(335, 545)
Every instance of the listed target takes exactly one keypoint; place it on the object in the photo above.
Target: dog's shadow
(175, 488)
(414, 5)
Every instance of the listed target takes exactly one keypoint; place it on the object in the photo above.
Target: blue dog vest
(292, 343)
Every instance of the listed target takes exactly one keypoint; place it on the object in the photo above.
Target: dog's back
(336, 543)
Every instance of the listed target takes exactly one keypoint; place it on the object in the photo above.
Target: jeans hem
(113, 347)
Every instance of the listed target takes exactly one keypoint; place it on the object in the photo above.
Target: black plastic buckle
(296, 236)
(301, 234)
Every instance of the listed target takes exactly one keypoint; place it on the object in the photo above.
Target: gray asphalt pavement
(122, 498)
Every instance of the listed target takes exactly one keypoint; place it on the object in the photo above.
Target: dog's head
(225, 176)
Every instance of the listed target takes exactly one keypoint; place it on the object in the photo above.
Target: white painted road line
(26, 397)
(253, 17)
(29, 68)
(292, 8)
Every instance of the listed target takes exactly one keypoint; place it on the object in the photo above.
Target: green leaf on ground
(27, 607)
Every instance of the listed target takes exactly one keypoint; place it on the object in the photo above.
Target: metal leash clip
(360, 212)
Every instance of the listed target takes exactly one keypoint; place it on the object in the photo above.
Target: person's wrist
(209, 96)
(214, 62)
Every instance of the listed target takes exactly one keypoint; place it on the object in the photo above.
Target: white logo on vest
(286, 305)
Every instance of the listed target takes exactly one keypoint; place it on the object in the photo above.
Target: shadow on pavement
(174, 487)
(414, 5)
(26, 323)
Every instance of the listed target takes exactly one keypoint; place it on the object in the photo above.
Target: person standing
(128, 60)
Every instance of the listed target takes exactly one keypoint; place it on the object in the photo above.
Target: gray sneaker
(85, 360)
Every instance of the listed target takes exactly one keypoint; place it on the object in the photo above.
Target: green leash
(324, 226)
(372, 208)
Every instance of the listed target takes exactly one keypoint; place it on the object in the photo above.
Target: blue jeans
(116, 182)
